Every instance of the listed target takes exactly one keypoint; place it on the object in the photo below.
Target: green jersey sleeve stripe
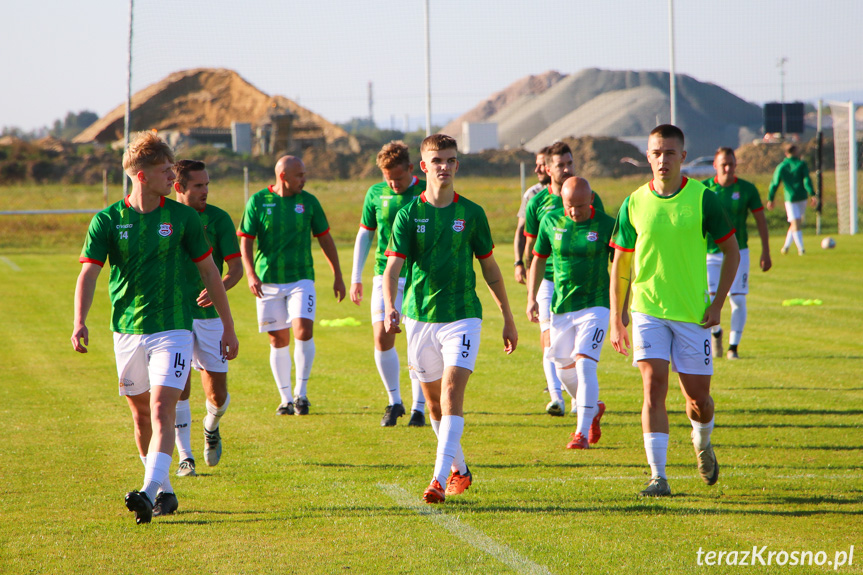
(389, 253)
(323, 233)
(232, 256)
(367, 228)
(245, 235)
(84, 260)
(486, 255)
(209, 251)
(621, 248)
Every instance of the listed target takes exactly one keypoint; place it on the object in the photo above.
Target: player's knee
(738, 301)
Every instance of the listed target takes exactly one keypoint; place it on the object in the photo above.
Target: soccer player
(382, 203)
(738, 197)
(578, 237)
(794, 174)
(192, 187)
(283, 217)
(438, 235)
(149, 240)
(559, 167)
(519, 240)
(661, 230)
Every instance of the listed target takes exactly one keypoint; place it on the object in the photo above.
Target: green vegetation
(334, 492)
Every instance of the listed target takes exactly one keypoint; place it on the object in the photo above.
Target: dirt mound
(763, 158)
(204, 98)
(600, 157)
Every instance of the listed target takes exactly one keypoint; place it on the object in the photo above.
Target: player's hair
(790, 148)
(556, 149)
(724, 151)
(666, 131)
(147, 149)
(543, 151)
(185, 167)
(394, 154)
(437, 142)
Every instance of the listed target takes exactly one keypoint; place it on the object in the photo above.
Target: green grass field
(336, 493)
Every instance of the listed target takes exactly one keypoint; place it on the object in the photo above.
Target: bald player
(578, 236)
(283, 218)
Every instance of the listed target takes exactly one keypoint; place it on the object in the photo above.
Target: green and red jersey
(220, 232)
(379, 211)
(439, 245)
(149, 258)
(793, 173)
(581, 253)
(668, 236)
(738, 199)
(284, 227)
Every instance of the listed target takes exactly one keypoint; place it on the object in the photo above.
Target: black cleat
(285, 409)
(392, 414)
(418, 419)
(301, 405)
(166, 504)
(138, 502)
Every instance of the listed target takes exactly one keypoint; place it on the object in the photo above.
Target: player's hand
(619, 337)
(766, 262)
(203, 299)
(230, 345)
(339, 288)
(532, 311)
(357, 293)
(769, 204)
(255, 285)
(520, 276)
(813, 201)
(711, 316)
(392, 326)
(80, 333)
(510, 337)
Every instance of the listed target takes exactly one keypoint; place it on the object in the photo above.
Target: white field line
(470, 535)
(10, 263)
(850, 475)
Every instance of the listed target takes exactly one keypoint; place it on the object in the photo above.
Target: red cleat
(595, 433)
(434, 493)
(578, 442)
(458, 483)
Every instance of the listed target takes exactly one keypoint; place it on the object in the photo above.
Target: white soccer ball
(828, 243)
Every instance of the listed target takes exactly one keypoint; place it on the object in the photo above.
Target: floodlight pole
(781, 66)
(673, 80)
(128, 94)
(428, 72)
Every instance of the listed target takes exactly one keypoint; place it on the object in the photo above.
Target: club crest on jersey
(299, 208)
(592, 236)
(458, 225)
(165, 230)
(735, 196)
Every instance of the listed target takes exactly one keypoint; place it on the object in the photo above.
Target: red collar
(425, 201)
(128, 205)
(682, 185)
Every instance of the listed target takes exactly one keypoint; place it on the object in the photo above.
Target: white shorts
(543, 300)
(741, 279)
(378, 297)
(282, 303)
(686, 345)
(795, 210)
(148, 360)
(577, 332)
(435, 346)
(207, 352)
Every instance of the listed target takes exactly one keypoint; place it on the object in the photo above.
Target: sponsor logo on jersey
(560, 229)
(124, 226)
(165, 230)
(421, 220)
(269, 205)
(735, 196)
(299, 208)
(592, 236)
(458, 225)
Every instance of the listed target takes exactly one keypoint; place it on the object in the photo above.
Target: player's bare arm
(518, 245)
(216, 289)
(362, 246)
(390, 290)
(247, 251)
(84, 290)
(329, 248)
(527, 256)
(534, 279)
(234, 275)
(494, 280)
(731, 259)
(761, 222)
(621, 268)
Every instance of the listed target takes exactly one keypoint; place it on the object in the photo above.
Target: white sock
(656, 446)
(569, 379)
(458, 462)
(388, 367)
(551, 379)
(798, 240)
(588, 393)
(789, 237)
(304, 356)
(419, 403)
(738, 317)
(448, 445)
(214, 414)
(166, 485)
(280, 364)
(158, 466)
(701, 433)
(183, 430)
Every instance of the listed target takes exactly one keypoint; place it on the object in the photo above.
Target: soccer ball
(828, 243)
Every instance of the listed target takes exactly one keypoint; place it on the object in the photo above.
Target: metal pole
(852, 169)
(782, 90)
(245, 186)
(673, 79)
(105, 188)
(428, 72)
(128, 93)
(819, 182)
(523, 189)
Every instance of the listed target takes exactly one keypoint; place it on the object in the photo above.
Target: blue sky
(61, 56)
